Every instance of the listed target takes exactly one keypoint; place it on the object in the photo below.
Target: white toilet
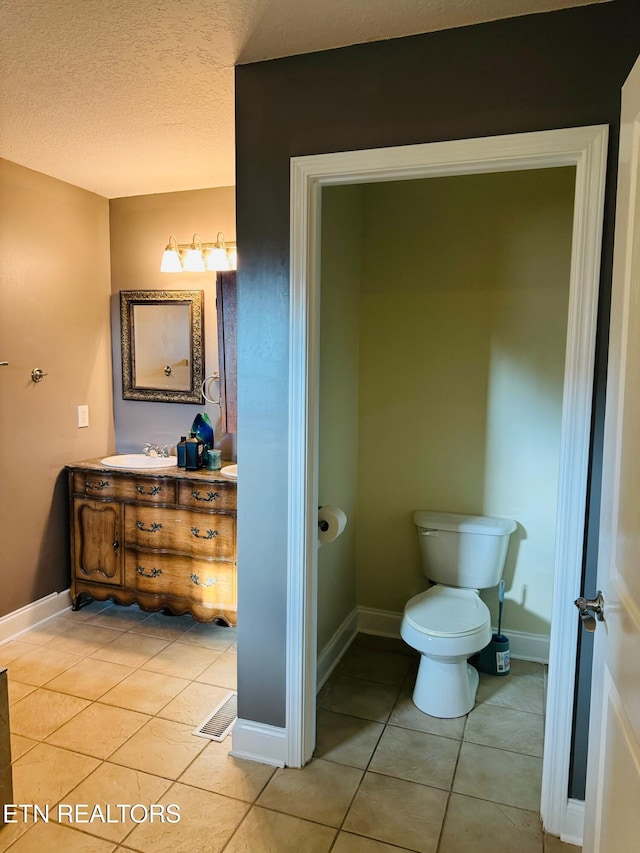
(448, 623)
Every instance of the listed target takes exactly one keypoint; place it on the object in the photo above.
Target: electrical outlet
(83, 416)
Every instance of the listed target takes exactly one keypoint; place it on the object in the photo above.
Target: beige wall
(338, 404)
(462, 330)
(54, 314)
(140, 229)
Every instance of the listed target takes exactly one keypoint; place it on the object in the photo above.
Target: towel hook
(38, 375)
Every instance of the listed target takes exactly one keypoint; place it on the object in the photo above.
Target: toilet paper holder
(323, 524)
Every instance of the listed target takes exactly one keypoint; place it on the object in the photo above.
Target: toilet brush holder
(495, 659)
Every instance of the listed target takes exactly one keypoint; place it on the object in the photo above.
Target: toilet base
(445, 687)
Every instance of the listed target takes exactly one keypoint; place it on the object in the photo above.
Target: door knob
(587, 607)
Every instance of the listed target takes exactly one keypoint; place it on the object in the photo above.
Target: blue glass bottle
(203, 429)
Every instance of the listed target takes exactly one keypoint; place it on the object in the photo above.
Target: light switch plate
(83, 416)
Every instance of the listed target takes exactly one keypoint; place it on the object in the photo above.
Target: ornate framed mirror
(162, 336)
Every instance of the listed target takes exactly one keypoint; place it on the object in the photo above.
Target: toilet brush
(495, 658)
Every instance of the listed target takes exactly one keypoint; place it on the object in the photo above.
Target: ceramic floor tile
(223, 672)
(193, 704)
(89, 679)
(207, 821)
(384, 644)
(40, 665)
(20, 745)
(181, 660)
(360, 698)
(144, 691)
(372, 665)
(83, 639)
(321, 791)
(346, 740)
(110, 785)
(46, 631)
(483, 827)
(131, 649)
(98, 730)
(12, 831)
(346, 842)
(522, 689)
(42, 712)
(18, 690)
(397, 812)
(416, 756)
(46, 774)
(500, 776)
(161, 747)
(552, 844)
(211, 636)
(504, 728)
(265, 831)
(52, 836)
(165, 627)
(407, 716)
(13, 650)
(120, 618)
(215, 770)
(87, 611)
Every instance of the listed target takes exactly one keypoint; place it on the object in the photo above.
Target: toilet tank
(463, 550)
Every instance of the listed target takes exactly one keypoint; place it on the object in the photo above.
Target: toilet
(448, 623)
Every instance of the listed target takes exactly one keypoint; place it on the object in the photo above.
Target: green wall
(462, 331)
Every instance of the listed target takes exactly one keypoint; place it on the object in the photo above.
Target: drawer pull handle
(154, 490)
(152, 573)
(208, 582)
(211, 534)
(99, 486)
(155, 526)
(211, 496)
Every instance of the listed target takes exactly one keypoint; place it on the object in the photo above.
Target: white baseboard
(330, 655)
(385, 623)
(259, 742)
(13, 625)
(573, 823)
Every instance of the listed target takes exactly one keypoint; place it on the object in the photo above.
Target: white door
(612, 809)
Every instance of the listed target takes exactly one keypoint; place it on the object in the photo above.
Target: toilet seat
(449, 612)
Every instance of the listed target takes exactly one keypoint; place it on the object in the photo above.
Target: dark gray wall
(560, 69)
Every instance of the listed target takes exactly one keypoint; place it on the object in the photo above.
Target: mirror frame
(195, 300)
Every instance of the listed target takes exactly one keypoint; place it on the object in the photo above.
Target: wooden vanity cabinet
(164, 540)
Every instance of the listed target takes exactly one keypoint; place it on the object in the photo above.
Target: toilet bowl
(449, 622)
(447, 626)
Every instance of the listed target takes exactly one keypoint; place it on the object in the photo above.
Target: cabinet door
(96, 541)
(226, 306)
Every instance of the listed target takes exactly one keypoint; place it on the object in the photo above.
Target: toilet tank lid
(462, 523)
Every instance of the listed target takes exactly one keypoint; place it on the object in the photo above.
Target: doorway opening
(582, 148)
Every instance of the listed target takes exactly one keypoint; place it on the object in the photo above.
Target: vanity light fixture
(198, 256)
(193, 260)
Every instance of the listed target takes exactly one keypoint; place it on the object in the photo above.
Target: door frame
(582, 147)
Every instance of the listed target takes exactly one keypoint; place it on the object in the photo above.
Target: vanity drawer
(97, 484)
(204, 581)
(198, 533)
(207, 496)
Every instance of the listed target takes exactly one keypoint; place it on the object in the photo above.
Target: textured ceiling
(129, 97)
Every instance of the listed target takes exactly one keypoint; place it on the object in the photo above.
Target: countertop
(161, 473)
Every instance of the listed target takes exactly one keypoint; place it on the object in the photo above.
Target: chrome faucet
(150, 449)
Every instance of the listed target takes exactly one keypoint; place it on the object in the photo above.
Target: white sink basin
(230, 471)
(139, 460)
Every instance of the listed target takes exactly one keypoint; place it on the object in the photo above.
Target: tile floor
(104, 701)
